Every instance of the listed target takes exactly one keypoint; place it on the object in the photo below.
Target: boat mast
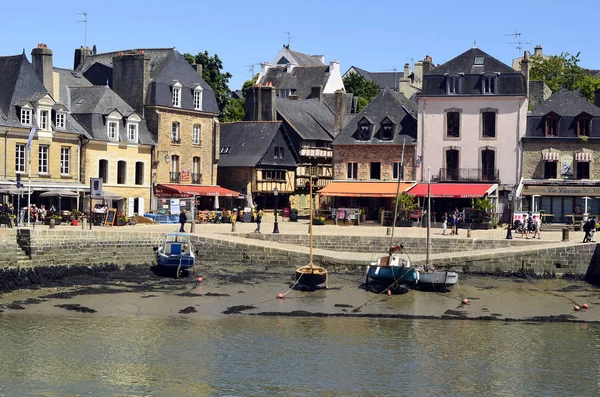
(401, 168)
(310, 224)
(428, 213)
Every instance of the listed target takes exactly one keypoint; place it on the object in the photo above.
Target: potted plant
(363, 215)
(406, 204)
(75, 215)
(319, 220)
(483, 213)
(121, 219)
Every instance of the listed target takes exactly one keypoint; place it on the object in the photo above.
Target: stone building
(27, 103)
(180, 109)
(373, 151)
(472, 115)
(561, 157)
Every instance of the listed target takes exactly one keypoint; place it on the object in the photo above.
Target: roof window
(479, 60)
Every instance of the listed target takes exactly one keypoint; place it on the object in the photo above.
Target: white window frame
(44, 119)
(198, 91)
(196, 134)
(132, 132)
(352, 170)
(113, 133)
(43, 160)
(65, 160)
(196, 165)
(26, 115)
(175, 130)
(453, 84)
(20, 149)
(61, 118)
(489, 84)
(176, 97)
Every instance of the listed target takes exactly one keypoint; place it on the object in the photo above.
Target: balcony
(196, 179)
(316, 152)
(176, 140)
(468, 175)
(175, 177)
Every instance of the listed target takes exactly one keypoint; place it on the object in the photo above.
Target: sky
(373, 35)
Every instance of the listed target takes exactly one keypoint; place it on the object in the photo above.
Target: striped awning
(583, 157)
(551, 156)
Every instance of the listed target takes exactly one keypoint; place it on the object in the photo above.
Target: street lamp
(510, 221)
(276, 225)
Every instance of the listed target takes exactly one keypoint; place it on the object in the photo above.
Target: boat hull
(311, 277)
(398, 274)
(438, 279)
(175, 261)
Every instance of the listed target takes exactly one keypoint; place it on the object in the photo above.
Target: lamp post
(510, 221)
(276, 225)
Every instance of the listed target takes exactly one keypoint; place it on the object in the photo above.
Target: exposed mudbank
(76, 307)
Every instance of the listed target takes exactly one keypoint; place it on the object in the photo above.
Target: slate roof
(310, 118)
(329, 100)
(384, 79)
(166, 65)
(565, 103)
(91, 105)
(302, 59)
(510, 82)
(69, 78)
(249, 142)
(300, 80)
(592, 72)
(393, 105)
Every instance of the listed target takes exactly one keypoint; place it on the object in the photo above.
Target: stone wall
(533, 164)
(387, 155)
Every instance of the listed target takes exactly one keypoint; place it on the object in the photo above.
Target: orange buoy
(584, 306)
(389, 292)
(465, 301)
(199, 279)
(280, 296)
(576, 308)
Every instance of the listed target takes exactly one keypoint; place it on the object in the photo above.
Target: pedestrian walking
(457, 220)
(182, 221)
(453, 224)
(258, 221)
(537, 225)
(444, 223)
(586, 229)
(593, 229)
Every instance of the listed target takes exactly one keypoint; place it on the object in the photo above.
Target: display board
(111, 217)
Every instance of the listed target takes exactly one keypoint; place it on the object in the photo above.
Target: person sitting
(42, 213)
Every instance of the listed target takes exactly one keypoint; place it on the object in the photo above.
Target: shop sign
(530, 190)
(185, 175)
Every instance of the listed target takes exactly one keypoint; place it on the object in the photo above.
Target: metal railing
(175, 177)
(469, 174)
(196, 179)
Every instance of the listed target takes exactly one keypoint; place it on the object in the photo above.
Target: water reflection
(281, 356)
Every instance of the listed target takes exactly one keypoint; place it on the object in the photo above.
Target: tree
(563, 71)
(212, 73)
(361, 87)
(249, 83)
(234, 110)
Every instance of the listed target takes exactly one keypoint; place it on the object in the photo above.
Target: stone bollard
(468, 233)
(52, 223)
(83, 222)
(388, 231)
(232, 227)
(565, 234)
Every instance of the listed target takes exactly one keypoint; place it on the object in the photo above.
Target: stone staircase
(11, 254)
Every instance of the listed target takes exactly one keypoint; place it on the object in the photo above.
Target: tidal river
(125, 355)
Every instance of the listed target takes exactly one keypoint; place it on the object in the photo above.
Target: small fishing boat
(176, 252)
(437, 279)
(392, 269)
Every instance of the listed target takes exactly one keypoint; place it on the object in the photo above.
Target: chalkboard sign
(111, 216)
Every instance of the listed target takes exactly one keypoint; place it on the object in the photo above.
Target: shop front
(167, 197)
(558, 201)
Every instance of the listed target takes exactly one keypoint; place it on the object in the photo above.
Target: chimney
(339, 109)
(41, 60)
(198, 68)
(404, 88)
(289, 67)
(80, 54)
(418, 79)
(131, 76)
(406, 70)
(525, 71)
(322, 59)
(334, 67)
(259, 104)
(597, 97)
(317, 93)
(427, 64)
(537, 51)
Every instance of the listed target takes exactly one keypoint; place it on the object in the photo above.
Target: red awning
(363, 189)
(173, 191)
(454, 190)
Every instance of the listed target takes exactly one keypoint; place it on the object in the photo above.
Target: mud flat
(237, 290)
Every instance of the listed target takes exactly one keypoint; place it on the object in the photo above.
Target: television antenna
(251, 69)
(85, 21)
(289, 36)
(519, 42)
(395, 79)
(412, 63)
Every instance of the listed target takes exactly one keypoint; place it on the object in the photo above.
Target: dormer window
(60, 121)
(112, 126)
(26, 116)
(43, 122)
(133, 122)
(364, 132)
(489, 84)
(198, 98)
(584, 122)
(225, 149)
(551, 124)
(453, 84)
(387, 132)
(177, 95)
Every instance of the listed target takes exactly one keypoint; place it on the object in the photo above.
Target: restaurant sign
(540, 190)
(164, 192)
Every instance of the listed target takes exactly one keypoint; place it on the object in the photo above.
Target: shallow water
(73, 355)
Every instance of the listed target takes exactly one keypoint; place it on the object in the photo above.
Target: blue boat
(392, 269)
(176, 252)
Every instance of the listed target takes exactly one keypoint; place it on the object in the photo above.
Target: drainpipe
(5, 149)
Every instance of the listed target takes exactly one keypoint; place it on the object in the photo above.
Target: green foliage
(405, 204)
(563, 71)
(482, 205)
(212, 73)
(249, 83)
(234, 111)
(365, 90)
(583, 138)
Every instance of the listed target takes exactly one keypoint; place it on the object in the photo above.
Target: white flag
(31, 134)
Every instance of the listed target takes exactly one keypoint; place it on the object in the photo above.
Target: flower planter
(74, 222)
(57, 221)
(318, 222)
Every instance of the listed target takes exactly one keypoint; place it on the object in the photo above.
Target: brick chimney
(260, 104)
(198, 68)
(131, 76)
(317, 93)
(525, 71)
(339, 109)
(41, 60)
(537, 51)
(80, 54)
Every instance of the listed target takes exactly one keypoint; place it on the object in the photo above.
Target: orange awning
(173, 191)
(364, 189)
